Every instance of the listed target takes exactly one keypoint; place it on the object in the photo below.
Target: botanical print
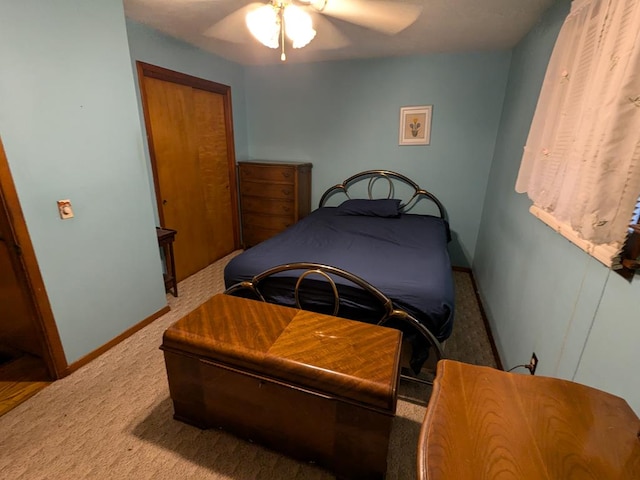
(415, 125)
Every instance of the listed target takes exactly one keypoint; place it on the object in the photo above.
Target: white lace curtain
(581, 163)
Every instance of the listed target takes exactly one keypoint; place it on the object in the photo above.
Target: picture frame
(415, 125)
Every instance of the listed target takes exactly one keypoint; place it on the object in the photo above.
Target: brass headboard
(372, 176)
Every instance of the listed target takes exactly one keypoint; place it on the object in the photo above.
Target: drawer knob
(286, 192)
(286, 174)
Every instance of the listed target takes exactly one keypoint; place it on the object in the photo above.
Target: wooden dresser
(483, 423)
(273, 196)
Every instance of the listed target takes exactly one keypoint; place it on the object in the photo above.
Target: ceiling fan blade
(233, 27)
(383, 16)
(328, 37)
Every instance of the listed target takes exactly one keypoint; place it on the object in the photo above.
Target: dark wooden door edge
(47, 331)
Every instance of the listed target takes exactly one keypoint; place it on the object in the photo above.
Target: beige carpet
(112, 419)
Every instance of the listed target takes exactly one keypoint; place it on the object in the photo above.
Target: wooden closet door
(214, 173)
(194, 184)
(182, 206)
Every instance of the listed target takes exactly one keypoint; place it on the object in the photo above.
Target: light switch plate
(64, 209)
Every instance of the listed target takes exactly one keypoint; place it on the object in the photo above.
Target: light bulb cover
(264, 25)
(298, 26)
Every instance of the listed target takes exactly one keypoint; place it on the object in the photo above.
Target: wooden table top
(165, 233)
(350, 359)
(483, 423)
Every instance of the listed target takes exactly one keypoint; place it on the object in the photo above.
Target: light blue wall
(150, 46)
(70, 127)
(343, 117)
(540, 292)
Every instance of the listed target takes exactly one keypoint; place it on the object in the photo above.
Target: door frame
(24, 259)
(153, 71)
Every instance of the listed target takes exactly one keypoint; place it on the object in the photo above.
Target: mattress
(405, 257)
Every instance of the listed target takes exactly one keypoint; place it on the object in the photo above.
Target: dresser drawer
(271, 173)
(267, 205)
(273, 196)
(273, 222)
(267, 190)
(253, 235)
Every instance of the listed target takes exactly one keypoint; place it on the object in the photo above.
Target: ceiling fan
(299, 21)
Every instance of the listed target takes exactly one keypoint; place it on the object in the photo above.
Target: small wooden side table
(483, 423)
(166, 236)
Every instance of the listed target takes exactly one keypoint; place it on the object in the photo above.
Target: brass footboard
(390, 313)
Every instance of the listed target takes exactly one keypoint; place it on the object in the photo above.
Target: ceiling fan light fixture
(264, 24)
(318, 4)
(298, 26)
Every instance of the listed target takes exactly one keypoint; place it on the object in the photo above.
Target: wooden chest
(316, 387)
(273, 196)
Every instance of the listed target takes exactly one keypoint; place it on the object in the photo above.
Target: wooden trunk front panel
(348, 439)
(273, 386)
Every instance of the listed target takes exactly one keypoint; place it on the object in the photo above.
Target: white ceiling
(442, 26)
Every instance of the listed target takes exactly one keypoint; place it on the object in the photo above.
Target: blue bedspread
(406, 258)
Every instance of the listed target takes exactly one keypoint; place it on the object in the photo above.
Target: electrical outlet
(533, 364)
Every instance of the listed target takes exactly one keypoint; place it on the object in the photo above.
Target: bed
(367, 259)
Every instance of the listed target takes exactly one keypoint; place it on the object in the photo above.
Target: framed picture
(415, 125)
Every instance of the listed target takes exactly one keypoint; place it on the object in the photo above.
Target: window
(630, 256)
(581, 162)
